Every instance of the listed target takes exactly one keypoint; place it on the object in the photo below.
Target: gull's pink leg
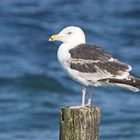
(90, 96)
(83, 99)
(83, 96)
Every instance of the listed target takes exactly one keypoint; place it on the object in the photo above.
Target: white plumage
(91, 65)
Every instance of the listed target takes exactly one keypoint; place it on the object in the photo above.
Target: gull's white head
(70, 34)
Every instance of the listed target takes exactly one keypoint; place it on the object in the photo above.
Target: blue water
(32, 85)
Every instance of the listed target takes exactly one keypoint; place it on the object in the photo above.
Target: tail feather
(131, 88)
(131, 83)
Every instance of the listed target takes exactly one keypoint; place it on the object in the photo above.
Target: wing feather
(92, 59)
(89, 52)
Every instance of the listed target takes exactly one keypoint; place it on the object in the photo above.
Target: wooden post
(79, 123)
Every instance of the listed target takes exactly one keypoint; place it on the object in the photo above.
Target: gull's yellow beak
(54, 38)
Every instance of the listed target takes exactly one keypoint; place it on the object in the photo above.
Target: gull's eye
(69, 33)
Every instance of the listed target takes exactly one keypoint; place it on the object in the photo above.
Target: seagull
(91, 65)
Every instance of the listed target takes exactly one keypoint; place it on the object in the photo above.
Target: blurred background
(32, 85)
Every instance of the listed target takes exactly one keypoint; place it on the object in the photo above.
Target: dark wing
(89, 52)
(92, 59)
(132, 81)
